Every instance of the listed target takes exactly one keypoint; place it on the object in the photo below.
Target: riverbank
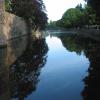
(91, 33)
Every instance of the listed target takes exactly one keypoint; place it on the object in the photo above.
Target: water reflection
(7, 57)
(61, 78)
(25, 71)
(63, 75)
(22, 76)
(91, 50)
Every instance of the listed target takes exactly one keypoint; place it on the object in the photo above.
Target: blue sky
(56, 8)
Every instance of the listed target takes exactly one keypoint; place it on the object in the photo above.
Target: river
(62, 66)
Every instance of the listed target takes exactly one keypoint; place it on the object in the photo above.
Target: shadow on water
(21, 78)
(91, 49)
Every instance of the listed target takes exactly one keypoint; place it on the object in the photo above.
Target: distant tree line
(78, 17)
(32, 11)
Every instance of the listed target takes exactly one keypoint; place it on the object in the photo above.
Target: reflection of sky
(61, 78)
(56, 8)
(58, 54)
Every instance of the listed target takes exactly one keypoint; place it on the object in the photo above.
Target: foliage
(95, 5)
(89, 15)
(72, 17)
(27, 68)
(7, 5)
(31, 10)
(78, 17)
(51, 24)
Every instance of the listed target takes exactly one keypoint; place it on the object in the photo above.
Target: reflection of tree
(91, 49)
(92, 81)
(76, 43)
(25, 71)
(70, 43)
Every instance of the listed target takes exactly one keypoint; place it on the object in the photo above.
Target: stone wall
(2, 40)
(11, 26)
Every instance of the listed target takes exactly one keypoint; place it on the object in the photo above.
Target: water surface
(59, 67)
(61, 78)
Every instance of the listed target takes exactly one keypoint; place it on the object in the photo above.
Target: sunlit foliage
(78, 17)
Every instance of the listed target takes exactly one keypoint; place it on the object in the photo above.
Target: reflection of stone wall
(20, 67)
(9, 55)
(15, 49)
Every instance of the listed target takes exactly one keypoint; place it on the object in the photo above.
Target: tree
(79, 6)
(78, 17)
(51, 24)
(7, 5)
(89, 15)
(72, 17)
(31, 10)
(95, 5)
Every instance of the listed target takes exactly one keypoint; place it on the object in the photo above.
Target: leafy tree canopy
(77, 17)
(31, 10)
(95, 5)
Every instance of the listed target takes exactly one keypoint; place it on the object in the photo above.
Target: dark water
(59, 67)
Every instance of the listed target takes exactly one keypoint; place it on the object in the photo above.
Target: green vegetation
(78, 17)
(7, 5)
(33, 11)
(95, 5)
(79, 43)
(72, 17)
(51, 24)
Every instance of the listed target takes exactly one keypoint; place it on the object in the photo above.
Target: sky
(56, 8)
